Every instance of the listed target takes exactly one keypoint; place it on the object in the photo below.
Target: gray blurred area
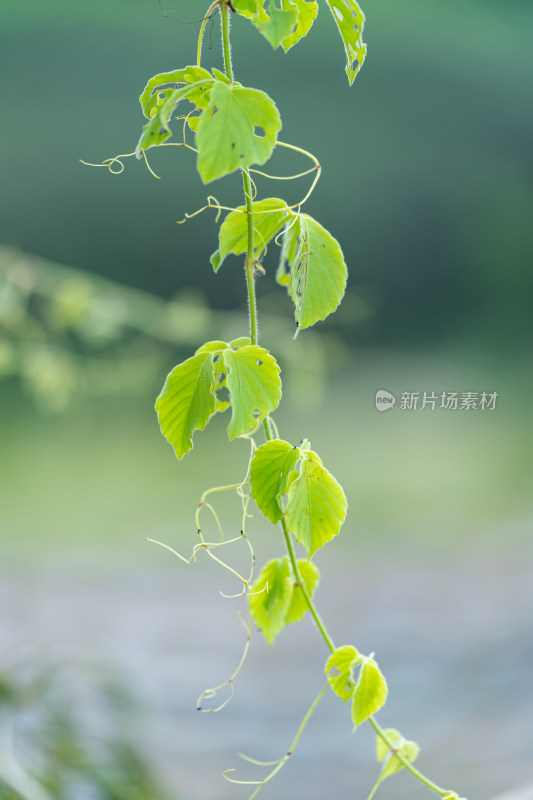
(427, 183)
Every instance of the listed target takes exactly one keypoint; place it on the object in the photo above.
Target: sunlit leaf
(276, 600)
(254, 386)
(317, 274)
(213, 347)
(370, 692)
(239, 127)
(269, 218)
(298, 607)
(339, 670)
(272, 465)
(316, 505)
(350, 22)
(409, 750)
(271, 598)
(187, 401)
(281, 23)
(151, 96)
(307, 11)
(157, 130)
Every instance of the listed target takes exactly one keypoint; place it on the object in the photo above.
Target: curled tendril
(280, 762)
(209, 694)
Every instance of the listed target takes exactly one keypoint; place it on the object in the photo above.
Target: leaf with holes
(254, 386)
(316, 505)
(154, 93)
(298, 607)
(370, 692)
(408, 749)
(272, 465)
(269, 218)
(159, 103)
(239, 127)
(270, 598)
(187, 401)
(339, 670)
(316, 276)
(350, 22)
(307, 11)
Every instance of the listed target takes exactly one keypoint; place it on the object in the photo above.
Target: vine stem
(249, 264)
(224, 10)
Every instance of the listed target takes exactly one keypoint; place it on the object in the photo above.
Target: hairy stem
(226, 48)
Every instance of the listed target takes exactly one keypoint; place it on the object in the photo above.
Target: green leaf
(269, 218)
(281, 23)
(254, 386)
(391, 764)
(317, 272)
(284, 22)
(339, 670)
(316, 506)
(213, 347)
(272, 465)
(271, 598)
(350, 22)
(152, 94)
(187, 401)
(241, 341)
(307, 11)
(370, 692)
(157, 130)
(276, 600)
(298, 607)
(239, 127)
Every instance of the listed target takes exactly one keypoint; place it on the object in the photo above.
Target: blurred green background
(427, 183)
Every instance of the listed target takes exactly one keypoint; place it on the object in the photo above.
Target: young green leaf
(157, 130)
(254, 386)
(276, 600)
(409, 750)
(370, 692)
(316, 505)
(298, 607)
(272, 465)
(317, 274)
(153, 93)
(269, 218)
(339, 670)
(307, 11)
(350, 22)
(271, 596)
(187, 401)
(281, 24)
(239, 127)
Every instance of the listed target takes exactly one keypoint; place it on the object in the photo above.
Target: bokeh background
(427, 183)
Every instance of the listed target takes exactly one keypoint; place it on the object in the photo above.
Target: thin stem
(413, 770)
(249, 265)
(202, 29)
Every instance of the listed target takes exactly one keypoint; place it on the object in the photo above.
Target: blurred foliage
(65, 334)
(67, 734)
